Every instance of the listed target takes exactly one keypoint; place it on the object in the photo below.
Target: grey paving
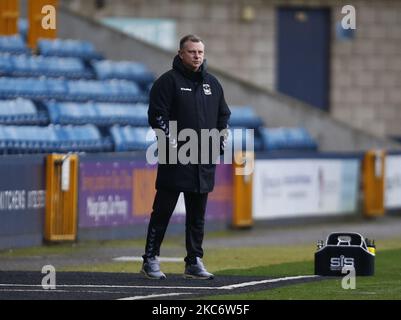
(309, 232)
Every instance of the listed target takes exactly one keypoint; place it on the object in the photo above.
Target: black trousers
(163, 207)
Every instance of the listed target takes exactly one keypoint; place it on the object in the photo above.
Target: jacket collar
(194, 76)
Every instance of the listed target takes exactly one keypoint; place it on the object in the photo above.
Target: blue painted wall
(303, 54)
(22, 201)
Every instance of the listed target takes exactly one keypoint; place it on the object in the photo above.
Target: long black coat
(196, 101)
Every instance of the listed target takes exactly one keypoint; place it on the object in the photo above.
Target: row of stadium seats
(123, 70)
(13, 44)
(106, 114)
(128, 138)
(129, 114)
(74, 68)
(35, 66)
(30, 139)
(36, 139)
(68, 48)
(87, 138)
(51, 47)
(101, 114)
(68, 90)
(244, 116)
(20, 112)
(287, 139)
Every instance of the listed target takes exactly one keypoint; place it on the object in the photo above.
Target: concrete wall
(366, 71)
(274, 109)
(246, 48)
(365, 78)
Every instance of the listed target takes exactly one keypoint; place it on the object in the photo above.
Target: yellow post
(3, 28)
(373, 183)
(242, 195)
(9, 13)
(42, 15)
(61, 197)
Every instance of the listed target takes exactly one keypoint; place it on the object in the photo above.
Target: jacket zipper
(196, 86)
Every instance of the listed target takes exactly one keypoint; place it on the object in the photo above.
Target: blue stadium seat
(23, 28)
(20, 111)
(244, 117)
(288, 139)
(122, 114)
(5, 64)
(68, 48)
(13, 44)
(70, 112)
(86, 90)
(56, 89)
(132, 139)
(125, 70)
(83, 138)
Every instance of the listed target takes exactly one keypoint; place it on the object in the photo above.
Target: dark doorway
(303, 54)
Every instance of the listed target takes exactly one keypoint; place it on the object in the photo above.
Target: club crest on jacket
(206, 89)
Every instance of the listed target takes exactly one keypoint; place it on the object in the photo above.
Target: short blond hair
(189, 37)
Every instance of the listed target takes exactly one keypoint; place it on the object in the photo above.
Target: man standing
(193, 99)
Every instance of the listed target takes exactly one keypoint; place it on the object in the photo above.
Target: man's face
(192, 55)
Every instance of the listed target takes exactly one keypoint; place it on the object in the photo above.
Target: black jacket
(196, 101)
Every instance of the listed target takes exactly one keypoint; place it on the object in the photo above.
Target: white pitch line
(173, 294)
(140, 259)
(254, 283)
(57, 290)
(99, 292)
(31, 290)
(108, 286)
(227, 287)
